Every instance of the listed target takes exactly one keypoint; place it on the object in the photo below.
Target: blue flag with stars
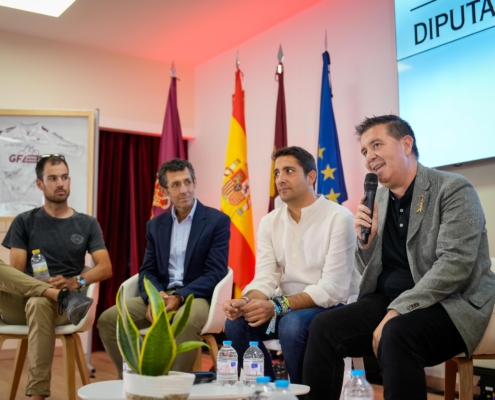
(330, 173)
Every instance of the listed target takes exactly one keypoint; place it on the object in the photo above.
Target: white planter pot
(174, 386)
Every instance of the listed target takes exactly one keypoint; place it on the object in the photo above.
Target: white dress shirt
(178, 246)
(314, 256)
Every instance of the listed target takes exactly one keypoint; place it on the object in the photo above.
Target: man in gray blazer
(427, 292)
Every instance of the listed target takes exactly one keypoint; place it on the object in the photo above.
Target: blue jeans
(292, 330)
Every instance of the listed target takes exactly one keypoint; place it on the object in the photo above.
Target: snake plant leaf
(181, 322)
(186, 346)
(159, 348)
(171, 315)
(129, 329)
(125, 346)
(156, 301)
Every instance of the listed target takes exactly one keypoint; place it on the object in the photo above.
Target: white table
(114, 390)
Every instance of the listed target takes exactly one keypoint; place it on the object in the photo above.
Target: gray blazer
(447, 250)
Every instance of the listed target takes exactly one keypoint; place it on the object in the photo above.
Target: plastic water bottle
(262, 390)
(40, 269)
(282, 391)
(358, 387)
(227, 365)
(253, 364)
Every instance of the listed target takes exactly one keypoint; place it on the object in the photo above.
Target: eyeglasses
(51, 155)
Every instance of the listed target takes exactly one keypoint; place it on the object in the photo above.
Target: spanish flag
(236, 198)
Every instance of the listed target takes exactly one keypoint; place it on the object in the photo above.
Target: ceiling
(186, 31)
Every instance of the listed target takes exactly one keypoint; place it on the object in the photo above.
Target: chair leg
(81, 362)
(198, 362)
(69, 349)
(450, 378)
(20, 356)
(465, 379)
(210, 341)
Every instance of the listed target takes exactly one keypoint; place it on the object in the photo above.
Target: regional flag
(331, 175)
(280, 130)
(171, 145)
(236, 198)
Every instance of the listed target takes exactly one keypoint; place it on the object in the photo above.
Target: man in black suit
(187, 253)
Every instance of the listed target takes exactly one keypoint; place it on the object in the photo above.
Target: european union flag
(330, 173)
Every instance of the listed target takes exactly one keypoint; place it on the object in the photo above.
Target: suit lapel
(165, 237)
(419, 202)
(198, 224)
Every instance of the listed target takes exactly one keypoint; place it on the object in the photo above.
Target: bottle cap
(227, 342)
(282, 383)
(36, 251)
(253, 343)
(357, 372)
(263, 379)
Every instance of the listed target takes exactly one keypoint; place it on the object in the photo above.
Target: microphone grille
(371, 181)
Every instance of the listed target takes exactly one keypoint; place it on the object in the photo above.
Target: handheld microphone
(370, 186)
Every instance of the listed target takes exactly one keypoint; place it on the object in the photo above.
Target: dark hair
(173, 165)
(303, 157)
(396, 127)
(53, 159)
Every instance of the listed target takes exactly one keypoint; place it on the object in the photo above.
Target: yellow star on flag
(328, 172)
(320, 152)
(332, 196)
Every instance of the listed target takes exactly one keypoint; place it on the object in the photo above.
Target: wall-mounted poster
(25, 135)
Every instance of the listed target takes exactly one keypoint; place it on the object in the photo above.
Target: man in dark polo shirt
(427, 292)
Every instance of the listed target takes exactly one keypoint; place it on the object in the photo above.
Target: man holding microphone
(427, 292)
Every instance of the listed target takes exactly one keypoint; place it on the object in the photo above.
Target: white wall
(131, 93)
(361, 44)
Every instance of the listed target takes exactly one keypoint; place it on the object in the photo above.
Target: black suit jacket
(207, 253)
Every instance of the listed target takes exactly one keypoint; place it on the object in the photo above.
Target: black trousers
(409, 342)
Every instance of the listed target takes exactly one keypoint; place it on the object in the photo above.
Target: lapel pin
(421, 199)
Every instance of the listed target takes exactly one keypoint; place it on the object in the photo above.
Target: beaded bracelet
(271, 325)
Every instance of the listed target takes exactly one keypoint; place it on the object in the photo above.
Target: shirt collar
(407, 196)
(313, 206)
(190, 216)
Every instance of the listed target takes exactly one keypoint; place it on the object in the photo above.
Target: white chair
(216, 316)
(464, 365)
(72, 347)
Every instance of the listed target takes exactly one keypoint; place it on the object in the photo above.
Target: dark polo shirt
(396, 276)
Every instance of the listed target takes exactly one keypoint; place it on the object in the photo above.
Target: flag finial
(326, 41)
(280, 54)
(237, 60)
(172, 70)
(280, 59)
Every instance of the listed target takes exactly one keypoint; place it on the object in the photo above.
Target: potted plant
(151, 358)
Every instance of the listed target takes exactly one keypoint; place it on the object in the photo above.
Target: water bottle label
(226, 367)
(253, 368)
(40, 268)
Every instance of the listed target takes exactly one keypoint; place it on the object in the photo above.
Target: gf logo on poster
(236, 188)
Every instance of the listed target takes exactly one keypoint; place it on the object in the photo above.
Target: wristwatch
(80, 281)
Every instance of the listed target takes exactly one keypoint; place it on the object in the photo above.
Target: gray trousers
(107, 326)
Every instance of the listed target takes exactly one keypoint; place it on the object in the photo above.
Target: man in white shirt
(304, 266)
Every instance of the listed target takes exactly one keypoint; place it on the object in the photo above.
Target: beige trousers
(107, 326)
(21, 304)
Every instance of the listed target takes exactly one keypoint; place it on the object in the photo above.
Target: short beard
(56, 200)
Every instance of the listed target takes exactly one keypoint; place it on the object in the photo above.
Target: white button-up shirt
(315, 256)
(178, 246)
